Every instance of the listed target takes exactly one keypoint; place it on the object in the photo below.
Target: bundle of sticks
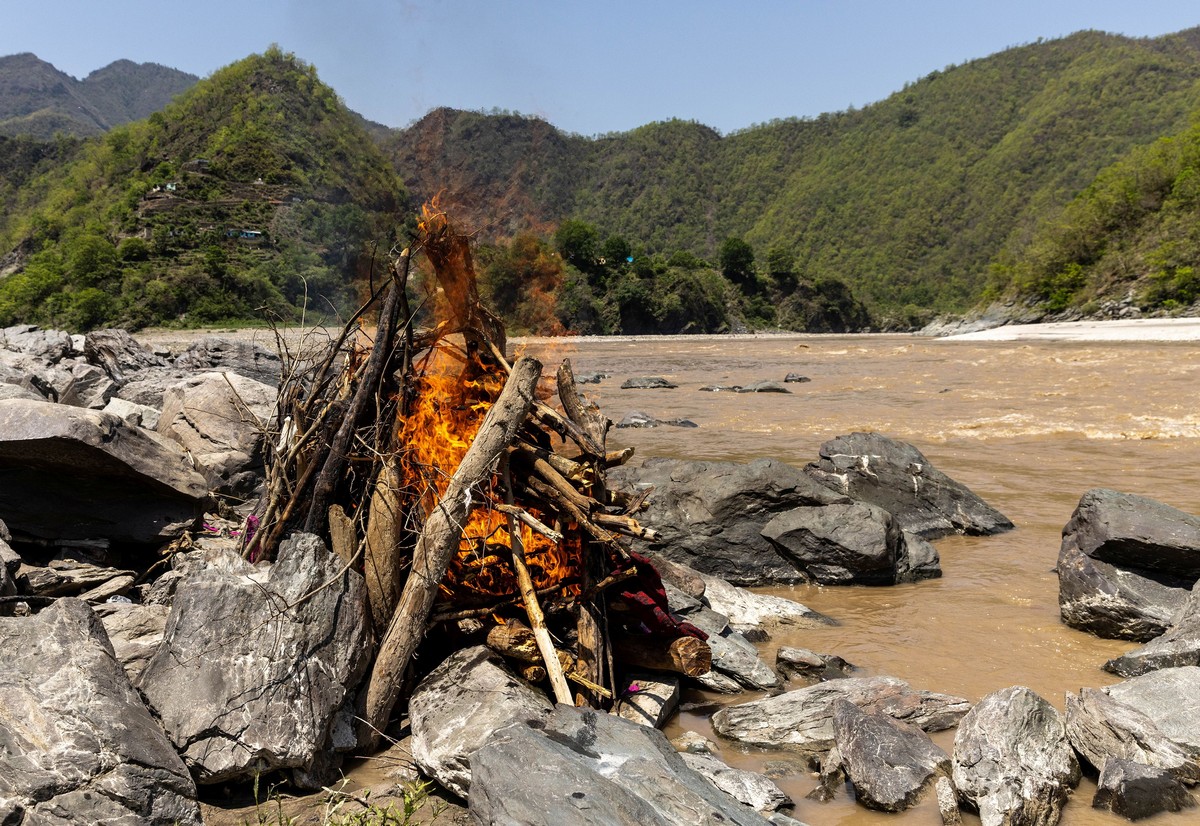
(470, 502)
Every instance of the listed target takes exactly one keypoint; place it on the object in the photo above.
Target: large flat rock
(71, 473)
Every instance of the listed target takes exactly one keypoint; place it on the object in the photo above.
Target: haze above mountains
(970, 183)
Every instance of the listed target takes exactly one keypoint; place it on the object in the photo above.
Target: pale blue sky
(587, 67)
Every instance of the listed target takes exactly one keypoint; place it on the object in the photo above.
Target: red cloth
(646, 600)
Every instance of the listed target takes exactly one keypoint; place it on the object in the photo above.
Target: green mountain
(254, 191)
(38, 100)
(908, 200)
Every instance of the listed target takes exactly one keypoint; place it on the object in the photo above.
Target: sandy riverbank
(1137, 329)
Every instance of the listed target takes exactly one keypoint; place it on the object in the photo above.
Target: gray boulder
(119, 355)
(649, 698)
(135, 632)
(89, 386)
(897, 477)
(594, 769)
(459, 706)
(1012, 760)
(1178, 646)
(764, 386)
(711, 514)
(132, 413)
(1136, 791)
(1101, 729)
(257, 662)
(852, 543)
(49, 346)
(638, 418)
(212, 353)
(1168, 697)
(1137, 533)
(77, 745)
(800, 662)
(755, 790)
(802, 719)
(746, 609)
(220, 419)
(890, 763)
(1112, 602)
(69, 473)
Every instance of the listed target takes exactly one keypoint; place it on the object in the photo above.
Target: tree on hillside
(781, 264)
(736, 258)
(578, 243)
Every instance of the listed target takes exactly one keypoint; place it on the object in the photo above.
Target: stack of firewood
(520, 543)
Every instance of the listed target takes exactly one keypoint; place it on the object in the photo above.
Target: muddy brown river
(1028, 426)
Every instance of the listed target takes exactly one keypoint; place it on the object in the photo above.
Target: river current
(1028, 426)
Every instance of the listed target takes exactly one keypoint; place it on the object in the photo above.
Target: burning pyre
(469, 501)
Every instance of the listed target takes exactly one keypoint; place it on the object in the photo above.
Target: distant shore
(1135, 329)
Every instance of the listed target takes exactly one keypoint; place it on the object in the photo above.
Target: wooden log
(586, 415)
(438, 541)
(514, 639)
(616, 458)
(343, 540)
(566, 490)
(681, 576)
(626, 525)
(382, 565)
(690, 656)
(529, 519)
(533, 609)
(533, 673)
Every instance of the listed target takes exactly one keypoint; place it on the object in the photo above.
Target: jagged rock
(18, 391)
(746, 609)
(617, 773)
(219, 419)
(89, 387)
(711, 514)
(1136, 791)
(1112, 602)
(897, 477)
(1178, 646)
(852, 543)
(649, 698)
(148, 387)
(50, 346)
(79, 746)
(647, 383)
(242, 682)
(763, 387)
(118, 354)
(637, 418)
(70, 473)
(1168, 697)
(890, 763)
(800, 662)
(459, 706)
(1101, 728)
(733, 656)
(803, 719)
(1137, 533)
(132, 413)
(1012, 760)
(135, 632)
(65, 579)
(212, 353)
(757, 791)
(947, 798)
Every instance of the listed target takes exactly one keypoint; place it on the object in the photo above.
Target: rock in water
(77, 744)
(1168, 697)
(1012, 760)
(897, 477)
(593, 769)
(803, 719)
(1112, 602)
(257, 662)
(890, 763)
(757, 791)
(1101, 729)
(647, 383)
(711, 514)
(855, 543)
(1178, 646)
(1136, 791)
(458, 707)
(70, 473)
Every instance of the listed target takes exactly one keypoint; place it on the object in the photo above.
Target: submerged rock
(1112, 602)
(897, 477)
(1012, 760)
(647, 383)
(636, 418)
(1136, 791)
(755, 790)
(77, 744)
(763, 387)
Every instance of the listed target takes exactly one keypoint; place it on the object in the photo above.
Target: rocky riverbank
(154, 666)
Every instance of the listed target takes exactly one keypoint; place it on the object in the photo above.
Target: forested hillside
(908, 200)
(255, 193)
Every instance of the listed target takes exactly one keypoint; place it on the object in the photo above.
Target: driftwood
(690, 656)
(438, 541)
